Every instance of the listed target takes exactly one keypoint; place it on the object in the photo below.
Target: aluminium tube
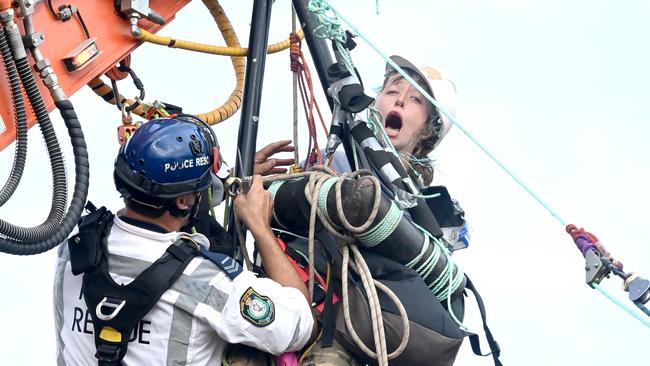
(250, 110)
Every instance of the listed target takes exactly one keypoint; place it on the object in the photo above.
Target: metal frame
(255, 65)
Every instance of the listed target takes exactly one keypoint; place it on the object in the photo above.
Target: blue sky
(557, 90)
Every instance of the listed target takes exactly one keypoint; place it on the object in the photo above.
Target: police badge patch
(257, 309)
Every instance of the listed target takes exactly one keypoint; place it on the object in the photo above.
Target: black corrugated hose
(59, 179)
(27, 241)
(20, 154)
(79, 196)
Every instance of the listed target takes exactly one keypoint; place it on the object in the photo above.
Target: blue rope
(429, 264)
(384, 228)
(425, 246)
(623, 306)
(322, 197)
(273, 189)
(330, 27)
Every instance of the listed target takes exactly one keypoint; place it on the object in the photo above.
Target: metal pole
(250, 110)
(321, 54)
(319, 48)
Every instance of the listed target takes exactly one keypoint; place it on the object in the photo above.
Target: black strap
(122, 307)
(495, 350)
(86, 246)
(327, 317)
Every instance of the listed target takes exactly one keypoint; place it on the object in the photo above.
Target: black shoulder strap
(86, 246)
(116, 310)
(495, 350)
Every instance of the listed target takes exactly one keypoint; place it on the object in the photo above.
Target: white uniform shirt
(194, 320)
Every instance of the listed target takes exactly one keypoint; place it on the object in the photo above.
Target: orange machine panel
(113, 39)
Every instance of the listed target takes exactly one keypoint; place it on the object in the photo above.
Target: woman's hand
(265, 164)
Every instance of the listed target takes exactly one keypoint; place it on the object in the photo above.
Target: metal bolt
(42, 64)
(7, 15)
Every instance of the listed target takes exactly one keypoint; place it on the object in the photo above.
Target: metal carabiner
(106, 304)
(236, 185)
(232, 185)
(126, 115)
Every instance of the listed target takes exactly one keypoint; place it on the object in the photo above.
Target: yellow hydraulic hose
(227, 109)
(206, 48)
(233, 103)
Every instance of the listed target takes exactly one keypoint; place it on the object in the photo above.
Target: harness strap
(495, 350)
(116, 310)
(328, 316)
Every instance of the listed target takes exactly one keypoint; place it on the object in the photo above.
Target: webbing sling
(116, 310)
(495, 350)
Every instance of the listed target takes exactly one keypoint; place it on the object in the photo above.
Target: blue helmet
(167, 158)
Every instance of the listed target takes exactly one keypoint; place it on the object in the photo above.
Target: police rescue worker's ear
(187, 205)
(185, 201)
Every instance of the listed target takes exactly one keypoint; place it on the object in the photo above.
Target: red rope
(298, 65)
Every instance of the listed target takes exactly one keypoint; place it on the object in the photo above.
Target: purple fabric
(584, 244)
(286, 359)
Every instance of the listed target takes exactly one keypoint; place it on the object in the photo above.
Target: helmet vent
(195, 146)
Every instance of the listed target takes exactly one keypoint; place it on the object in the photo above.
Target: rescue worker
(160, 173)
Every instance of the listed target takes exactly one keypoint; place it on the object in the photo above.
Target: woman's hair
(419, 161)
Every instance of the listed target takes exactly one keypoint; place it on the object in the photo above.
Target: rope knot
(295, 52)
(313, 156)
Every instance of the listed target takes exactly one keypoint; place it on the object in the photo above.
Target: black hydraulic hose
(78, 197)
(20, 155)
(59, 180)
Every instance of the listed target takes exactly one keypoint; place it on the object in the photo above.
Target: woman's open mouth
(393, 124)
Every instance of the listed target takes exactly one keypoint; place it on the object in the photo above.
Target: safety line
(623, 306)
